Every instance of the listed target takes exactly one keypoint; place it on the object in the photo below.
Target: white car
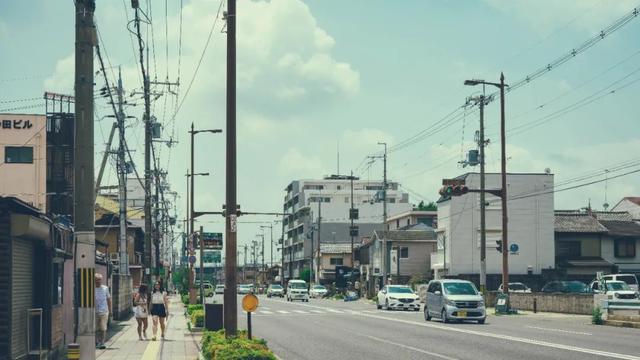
(219, 289)
(399, 297)
(630, 279)
(616, 290)
(275, 290)
(318, 291)
(245, 289)
(516, 287)
(297, 290)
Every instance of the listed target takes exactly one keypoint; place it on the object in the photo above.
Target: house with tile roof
(630, 204)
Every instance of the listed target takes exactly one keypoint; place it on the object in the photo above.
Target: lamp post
(270, 227)
(505, 247)
(189, 230)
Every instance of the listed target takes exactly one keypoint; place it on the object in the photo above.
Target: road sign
(212, 240)
(453, 182)
(514, 248)
(192, 259)
(250, 303)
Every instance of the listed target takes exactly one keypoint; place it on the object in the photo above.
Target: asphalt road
(328, 329)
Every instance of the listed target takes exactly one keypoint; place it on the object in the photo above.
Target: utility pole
(317, 279)
(231, 220)
(156, 218)
(201, 238)
(505, 218)
(148, 226)
(84, 214)
(270, 227)
(262, 251)
(385, 264)
(282, 254)
(122, 188)
(191, 214)
(351, 228)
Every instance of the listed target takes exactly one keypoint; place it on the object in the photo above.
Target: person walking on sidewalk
(103, 309)
(141, 311)
(159, 308)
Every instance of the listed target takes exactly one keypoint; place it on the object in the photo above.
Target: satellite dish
(547, 171)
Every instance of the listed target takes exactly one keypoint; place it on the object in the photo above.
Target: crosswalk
(325, 311)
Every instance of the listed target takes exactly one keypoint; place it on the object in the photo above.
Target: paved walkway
(180, 343)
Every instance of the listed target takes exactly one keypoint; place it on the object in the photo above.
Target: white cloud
(63, 77)
(296, 165)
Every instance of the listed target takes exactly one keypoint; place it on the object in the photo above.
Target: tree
(305, 275)
(431, 206)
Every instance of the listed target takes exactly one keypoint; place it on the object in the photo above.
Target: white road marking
(300, 311)
(265, 312)
(317, 311)
(510, 338)
(409, 348)
(560, 330)
(283, 312)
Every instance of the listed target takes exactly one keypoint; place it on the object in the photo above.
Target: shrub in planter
(596, 316)
(216, 347)
(197, 318)
(185, 299)
(192, 308)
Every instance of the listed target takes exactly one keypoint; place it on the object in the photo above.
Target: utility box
(473, 158)
(213, 317)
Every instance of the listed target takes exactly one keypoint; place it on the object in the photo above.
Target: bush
(197, 318)
(192, 308)
(216, 347)
(374, 299)
(596, 316)
(338, 296)
(185, 299)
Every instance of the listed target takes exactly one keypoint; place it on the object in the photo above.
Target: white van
(630, 279)
(297, 290)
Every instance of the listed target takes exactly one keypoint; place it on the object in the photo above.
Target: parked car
(297, 290)
(618, 290)
(318, 291)
(572, 287)
(452, 299)
(208, 289)
(516, 287)
(630, 279)
(275, 290)
(399, 297)
(219, 289)
(245, 288)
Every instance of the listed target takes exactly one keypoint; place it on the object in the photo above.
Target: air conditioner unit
(114, 257)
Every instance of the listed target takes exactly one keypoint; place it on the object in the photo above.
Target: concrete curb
(619, 323)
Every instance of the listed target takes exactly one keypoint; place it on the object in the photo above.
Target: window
(392, 200)
(625, 248)
(346, 200)
(335, 261)
(398, 224)
(18, 155)
(426, 220)
(57, 283)
(569, 249)
(339, 187)
(404, 252)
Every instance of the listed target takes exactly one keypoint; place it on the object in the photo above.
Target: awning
(588, 263)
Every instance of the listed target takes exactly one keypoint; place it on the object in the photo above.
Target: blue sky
(321, 72)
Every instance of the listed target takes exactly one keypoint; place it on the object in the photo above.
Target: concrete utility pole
(385, 264)
(148, 226)
(262, 251)
(231, 219)
(201, 238)
(123, 261)
(317, 279)
(351, 228)
(270, 227)
(84, 216)
(505, 218)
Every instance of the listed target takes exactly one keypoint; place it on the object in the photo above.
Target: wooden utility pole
(231, 219)
(123, 260)
(84, 215)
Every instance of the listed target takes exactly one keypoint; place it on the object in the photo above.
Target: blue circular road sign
(192, 259)
(514, 248)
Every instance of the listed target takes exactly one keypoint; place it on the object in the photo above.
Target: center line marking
(409, 347)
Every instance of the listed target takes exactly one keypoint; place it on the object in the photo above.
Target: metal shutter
(5, 287)
(22, 295)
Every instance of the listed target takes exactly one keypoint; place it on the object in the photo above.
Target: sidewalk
(180, 344)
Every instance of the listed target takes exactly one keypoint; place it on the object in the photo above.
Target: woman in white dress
(141, 310)
(159, 308)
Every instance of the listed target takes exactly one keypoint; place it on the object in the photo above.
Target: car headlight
(392, 298)
(481, 303)
(616, 295)
(449, 302)
(637, 295)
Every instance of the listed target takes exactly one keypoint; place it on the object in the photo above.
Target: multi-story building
(330, 199)
(409, 220)
(531, 230)
(23, 158)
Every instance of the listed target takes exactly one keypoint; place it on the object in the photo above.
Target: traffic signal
(453, 190)
(499, 245)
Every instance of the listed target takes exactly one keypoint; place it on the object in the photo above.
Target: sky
(321, 75)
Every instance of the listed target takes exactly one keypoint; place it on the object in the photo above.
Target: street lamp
(505, 248)
(189, 232)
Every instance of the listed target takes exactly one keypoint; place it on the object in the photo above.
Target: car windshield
(617, 286)
(219, 286)
(576, 287)
(277, 287)
(629, 279)
(459, 288)
(517, 286)
(245, 286)
(400, 290)
(319, 287)
(298, 285)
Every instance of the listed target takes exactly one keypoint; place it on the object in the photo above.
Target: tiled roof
(633, 199)
(577, 223)
(336, 248)
(407, 235)
(622, 228)
(613, 216)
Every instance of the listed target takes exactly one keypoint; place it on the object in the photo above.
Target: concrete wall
(531, 223)
(24, 181)
(581, 304)
(121, 296)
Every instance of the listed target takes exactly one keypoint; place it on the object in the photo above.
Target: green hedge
(216, 347)
(197, 318)
(185, 299)
(192, 308)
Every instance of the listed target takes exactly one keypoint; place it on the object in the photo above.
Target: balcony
(298, 255)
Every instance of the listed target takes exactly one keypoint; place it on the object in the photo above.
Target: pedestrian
(103, 309)
(141, 311)
(159, 309)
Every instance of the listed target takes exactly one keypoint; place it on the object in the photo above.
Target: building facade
(409, 219)
(23, 154)
(630, 204)
(531, 224)
(330, 199)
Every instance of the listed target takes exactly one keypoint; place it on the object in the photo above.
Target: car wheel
(481, 321)
(427, 316)
(386, 304)
(378, 305)
(443, 316)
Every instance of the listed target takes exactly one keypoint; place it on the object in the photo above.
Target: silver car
(452, 299)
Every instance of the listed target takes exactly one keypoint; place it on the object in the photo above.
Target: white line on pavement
(560, 330)
(283, 312)
(265, 312)
(300, 311)
(409, 347)
(317, 311)
(510, 338)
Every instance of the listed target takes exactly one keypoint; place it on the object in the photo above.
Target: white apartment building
(530, 226)
(331, 197)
